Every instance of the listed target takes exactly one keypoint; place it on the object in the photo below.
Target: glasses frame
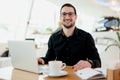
(70, 14)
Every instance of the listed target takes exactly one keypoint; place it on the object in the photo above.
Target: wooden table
(15, 74)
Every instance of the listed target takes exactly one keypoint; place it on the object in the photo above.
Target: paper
(5, 73)
(89, 73)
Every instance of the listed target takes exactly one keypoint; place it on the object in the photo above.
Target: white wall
(112, 53)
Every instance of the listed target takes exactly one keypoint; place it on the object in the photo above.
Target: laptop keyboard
(43, 68)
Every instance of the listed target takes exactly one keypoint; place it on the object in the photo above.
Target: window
(15, 14)
(42, 19)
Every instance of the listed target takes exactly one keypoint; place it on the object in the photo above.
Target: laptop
(23, 56)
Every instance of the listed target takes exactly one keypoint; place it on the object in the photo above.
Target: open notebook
(89, 73)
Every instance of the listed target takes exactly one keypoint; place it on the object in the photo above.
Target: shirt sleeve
(93, 55)
(50, 55)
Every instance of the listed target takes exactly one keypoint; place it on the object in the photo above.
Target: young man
(71, 45)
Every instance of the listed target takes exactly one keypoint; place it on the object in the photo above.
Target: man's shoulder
(57, 33)
(80, 31)
(83, 33)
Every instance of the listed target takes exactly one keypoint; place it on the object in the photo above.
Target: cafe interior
(37, 19)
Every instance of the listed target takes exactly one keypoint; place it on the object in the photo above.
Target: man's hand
(82, 64)
(41, 61)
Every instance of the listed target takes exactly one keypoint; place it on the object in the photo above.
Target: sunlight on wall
(43, 16)
(85, 22)
(15, 14)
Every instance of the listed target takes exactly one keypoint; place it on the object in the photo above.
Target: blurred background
(38, 19)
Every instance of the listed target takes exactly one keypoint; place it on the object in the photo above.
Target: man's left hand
(82, 64)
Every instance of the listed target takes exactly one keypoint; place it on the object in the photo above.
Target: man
(71, 45)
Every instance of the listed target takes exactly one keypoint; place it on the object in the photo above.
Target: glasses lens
(69, 14)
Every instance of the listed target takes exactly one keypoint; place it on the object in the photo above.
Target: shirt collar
(75, 33)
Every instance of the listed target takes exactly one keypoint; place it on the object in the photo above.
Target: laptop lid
(23, 55)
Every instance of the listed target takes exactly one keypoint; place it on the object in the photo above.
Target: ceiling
(90, 7)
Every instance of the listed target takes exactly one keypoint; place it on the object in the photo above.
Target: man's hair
(69, 5)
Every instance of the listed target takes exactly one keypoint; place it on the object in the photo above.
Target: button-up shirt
(79, 46)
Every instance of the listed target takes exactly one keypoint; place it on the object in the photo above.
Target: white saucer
(61, 73)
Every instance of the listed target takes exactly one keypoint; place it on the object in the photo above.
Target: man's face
(68, 17)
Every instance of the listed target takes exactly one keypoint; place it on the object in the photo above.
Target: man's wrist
(91, 62)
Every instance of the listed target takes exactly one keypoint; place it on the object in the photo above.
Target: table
(16, 74)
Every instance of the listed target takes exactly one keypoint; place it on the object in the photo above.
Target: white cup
(56, 66)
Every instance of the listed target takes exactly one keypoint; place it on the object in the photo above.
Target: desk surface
(15, 74)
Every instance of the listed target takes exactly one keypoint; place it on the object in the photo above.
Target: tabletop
(16, 74)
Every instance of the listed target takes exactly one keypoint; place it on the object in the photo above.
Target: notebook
(23, 56)
(91, 74)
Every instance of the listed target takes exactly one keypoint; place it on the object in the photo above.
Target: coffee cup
(55, 66)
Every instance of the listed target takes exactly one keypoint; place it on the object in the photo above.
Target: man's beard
(70, 26)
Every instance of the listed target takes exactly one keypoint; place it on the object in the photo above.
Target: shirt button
(67, 57)
(67, 49)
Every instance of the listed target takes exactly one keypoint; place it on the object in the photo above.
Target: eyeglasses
(70, 14)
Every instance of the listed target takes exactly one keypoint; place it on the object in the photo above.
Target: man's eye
(70, 14)
(64, 14)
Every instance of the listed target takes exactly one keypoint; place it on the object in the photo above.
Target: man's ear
(76, 17)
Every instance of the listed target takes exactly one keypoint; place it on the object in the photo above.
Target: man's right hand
(41, 61)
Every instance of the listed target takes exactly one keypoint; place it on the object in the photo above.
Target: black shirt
(79, 46)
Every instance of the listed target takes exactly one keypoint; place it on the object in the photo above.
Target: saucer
(61, 73)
